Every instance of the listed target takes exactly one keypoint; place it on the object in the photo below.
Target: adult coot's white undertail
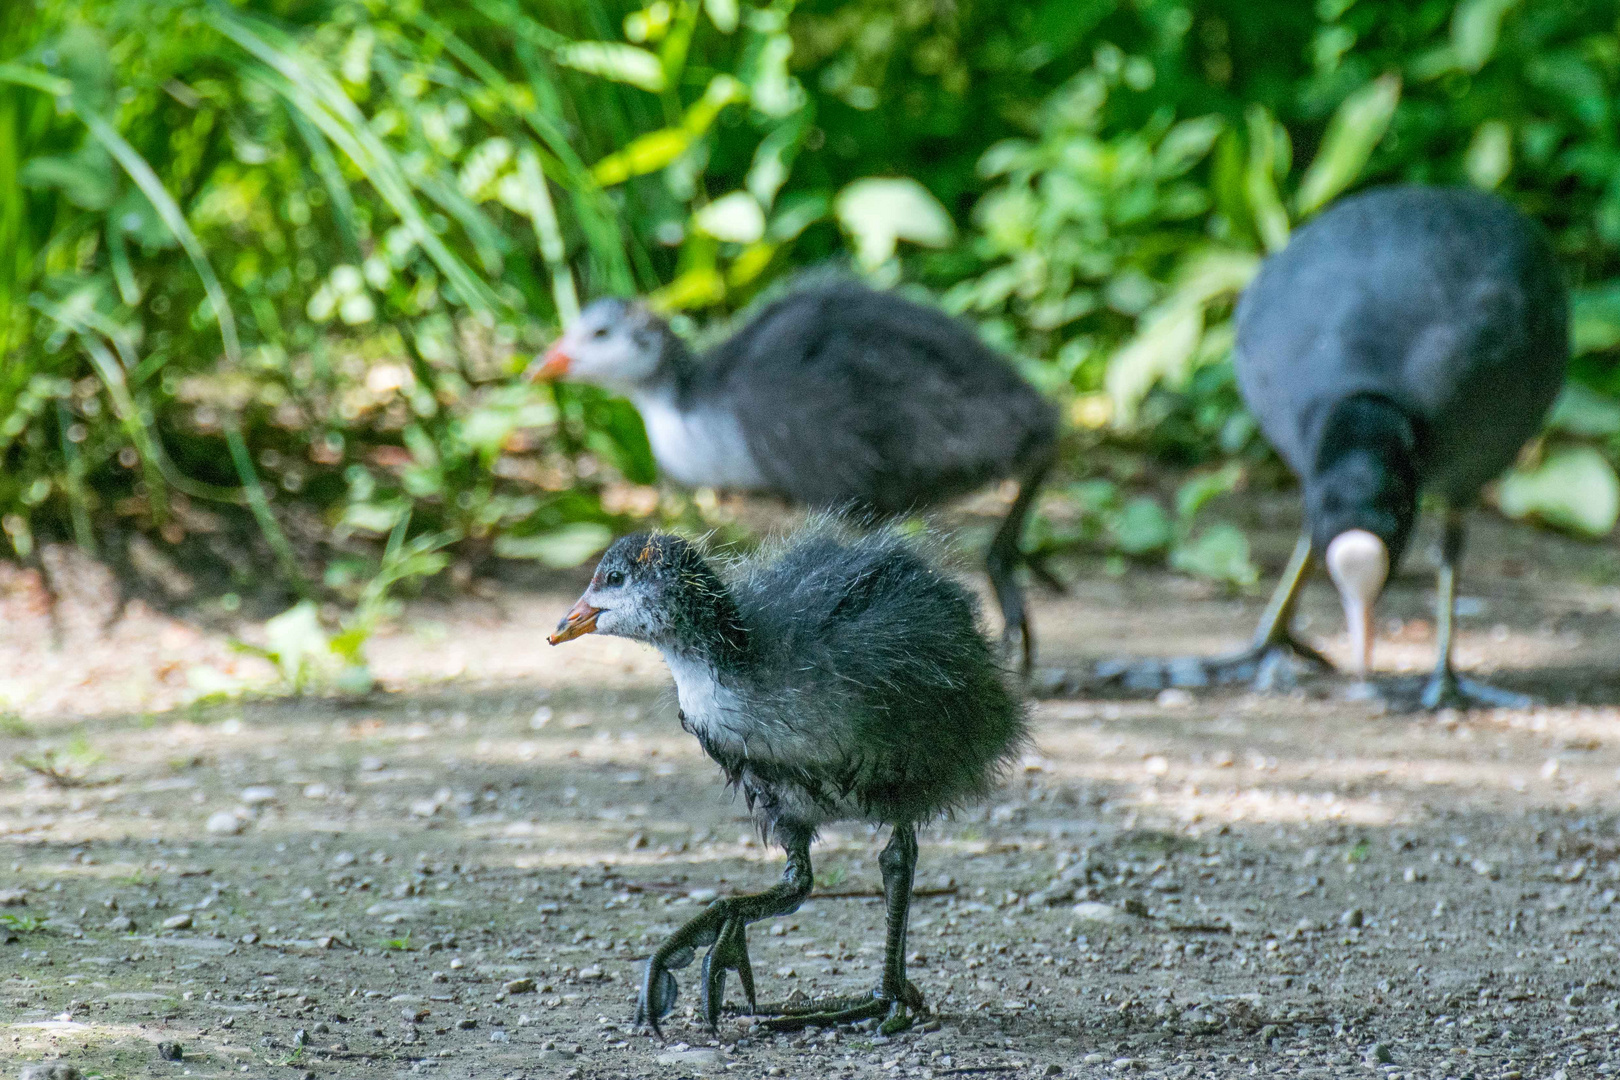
(1408, 340)
(836, 397)
(842, 678)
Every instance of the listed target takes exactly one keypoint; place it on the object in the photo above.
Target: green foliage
(1097, 514)
(24, 924)
(267, 270)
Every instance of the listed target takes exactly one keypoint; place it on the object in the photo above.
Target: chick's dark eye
(600, 332)
(613, 580)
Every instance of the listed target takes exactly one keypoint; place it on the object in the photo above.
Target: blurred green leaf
(1595, 318)
(1268, 148)
(1218, 553)
(611, 60)
(560, 548)
(1573, 488)
(1490, 154)
(880, 212)
(1355, 130)
(1142, 527)
(1195, 493)
(735, 218)
(1476, 26)
(1584, 412)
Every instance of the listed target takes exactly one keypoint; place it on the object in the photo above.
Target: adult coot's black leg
(724, 925)
(895, 999)
(1445, 687)
(1264, 661)
(1001, 563)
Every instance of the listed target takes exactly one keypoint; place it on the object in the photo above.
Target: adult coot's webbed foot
(724, 926)
(1271, 662)
(1450, 690)
(1442, 690)
(1445, 689)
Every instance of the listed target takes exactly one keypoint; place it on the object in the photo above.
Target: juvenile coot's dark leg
(896, 997)
(1001, 563)
(724, 925)
(1261, 662)
(1445, 687)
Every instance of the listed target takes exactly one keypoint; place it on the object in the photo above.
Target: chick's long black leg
(1445, 687)
(895, 999)
(724, 925)
(1261, 662)
(1001, 564)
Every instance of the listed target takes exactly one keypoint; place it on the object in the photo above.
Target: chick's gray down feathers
(853, 397)
(838, 676)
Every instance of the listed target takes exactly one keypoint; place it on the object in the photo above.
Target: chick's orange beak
(580, 620)
(549, 366)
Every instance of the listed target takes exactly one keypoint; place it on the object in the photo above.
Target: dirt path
(458, 878)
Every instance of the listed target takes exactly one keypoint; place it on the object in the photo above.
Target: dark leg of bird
(1264, 662)
(1445, 687)
(896, 999)
(724, 925)
(1001, 562)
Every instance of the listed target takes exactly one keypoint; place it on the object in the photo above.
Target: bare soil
(459, 876)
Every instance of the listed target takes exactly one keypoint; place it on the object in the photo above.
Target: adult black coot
(836, 397)
(844, 678)
(1408, 340)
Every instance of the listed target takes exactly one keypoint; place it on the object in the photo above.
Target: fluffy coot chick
(837, 397)
(844, 678)
(1408, 340)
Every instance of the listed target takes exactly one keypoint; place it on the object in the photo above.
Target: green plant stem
(260, 506)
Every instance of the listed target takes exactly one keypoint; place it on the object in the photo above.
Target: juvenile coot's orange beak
(580, 620)
(551, 365)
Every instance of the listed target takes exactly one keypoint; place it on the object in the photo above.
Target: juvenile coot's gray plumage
(1408, 340)
(837, 397)
(845, 678)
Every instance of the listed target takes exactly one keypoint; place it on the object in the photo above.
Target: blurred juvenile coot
(835, 396)
(842, 678)
(1408, 340)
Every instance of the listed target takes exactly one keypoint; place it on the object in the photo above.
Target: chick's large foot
(723, 925)
(892, 1014)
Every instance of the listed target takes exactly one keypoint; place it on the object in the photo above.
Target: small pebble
(177, 922)
(171, 1051)
(520, 986)
(225, 823)
(1380, 1054)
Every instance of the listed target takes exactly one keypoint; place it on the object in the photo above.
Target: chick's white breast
(700, 447)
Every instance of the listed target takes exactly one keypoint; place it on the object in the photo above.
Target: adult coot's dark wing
(1447, 302)
(850, 395)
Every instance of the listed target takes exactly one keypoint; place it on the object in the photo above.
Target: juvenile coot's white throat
(840, 678)
(837, 397)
